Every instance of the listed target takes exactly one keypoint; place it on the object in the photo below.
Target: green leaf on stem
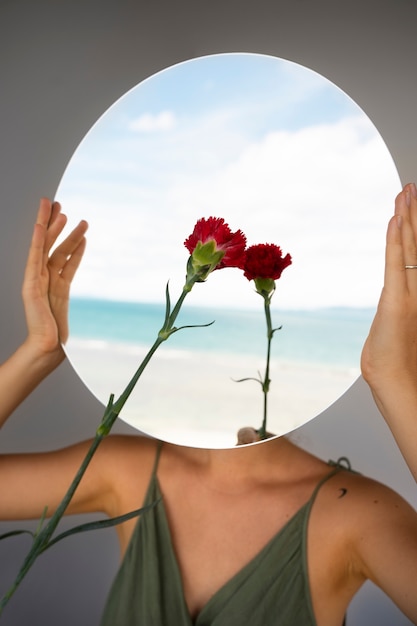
(13, 533)
(167, 306)
(41, 521)
(242, 380)
(174, 330)
(105, 523)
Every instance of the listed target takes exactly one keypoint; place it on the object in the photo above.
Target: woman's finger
(406, 209)
(61, 257)
(395, 281)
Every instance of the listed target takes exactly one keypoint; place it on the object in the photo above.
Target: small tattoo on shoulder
(343, 492)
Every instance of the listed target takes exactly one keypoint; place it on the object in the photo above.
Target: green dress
(271, 590)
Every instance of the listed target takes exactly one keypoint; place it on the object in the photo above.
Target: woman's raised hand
(390, 352)
(389, 357)
(45, 292)
(48, 278)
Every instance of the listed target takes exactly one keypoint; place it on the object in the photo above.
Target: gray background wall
(62, 63)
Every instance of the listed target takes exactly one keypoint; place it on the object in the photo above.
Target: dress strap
(336, 468)
(342, 463)
(157, 457)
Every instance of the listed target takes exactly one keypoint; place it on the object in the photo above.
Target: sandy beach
(192, 398)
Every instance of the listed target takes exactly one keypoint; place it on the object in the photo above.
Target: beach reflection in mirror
(277, 151)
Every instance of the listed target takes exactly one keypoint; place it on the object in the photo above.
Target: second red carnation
(265, 260)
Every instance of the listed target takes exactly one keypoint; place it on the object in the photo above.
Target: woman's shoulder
(374, 501)
(127, 461)
(123, 444)
(358, 504)
(359, 498)
(124, 465)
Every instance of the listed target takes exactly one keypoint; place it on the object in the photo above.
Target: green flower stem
(266, 381)
(43, 535)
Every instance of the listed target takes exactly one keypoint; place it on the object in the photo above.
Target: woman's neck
(245, 465)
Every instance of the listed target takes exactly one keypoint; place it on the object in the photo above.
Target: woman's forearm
(400, 413)
(22, 373)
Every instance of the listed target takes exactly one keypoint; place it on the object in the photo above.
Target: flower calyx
(212, 245)
(204, 259)
(265, 287)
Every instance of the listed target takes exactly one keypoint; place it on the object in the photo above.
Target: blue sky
(272, 147)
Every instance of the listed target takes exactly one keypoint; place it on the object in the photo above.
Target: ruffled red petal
(215, 228)
(265, 260)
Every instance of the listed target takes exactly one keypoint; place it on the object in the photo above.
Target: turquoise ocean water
(331, 336)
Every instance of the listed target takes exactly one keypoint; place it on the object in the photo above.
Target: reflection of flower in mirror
(264, 264)
(212, 245)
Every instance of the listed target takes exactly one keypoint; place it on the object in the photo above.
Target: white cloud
(324, 193)
(150, 123)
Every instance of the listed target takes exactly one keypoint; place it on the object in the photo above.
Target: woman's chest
(216, 539)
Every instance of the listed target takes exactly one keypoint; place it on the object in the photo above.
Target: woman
(263, 534)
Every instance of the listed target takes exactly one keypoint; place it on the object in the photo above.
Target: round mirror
(282, 154)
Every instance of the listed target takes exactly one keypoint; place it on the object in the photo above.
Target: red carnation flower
(265, 260)
(213, 243)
